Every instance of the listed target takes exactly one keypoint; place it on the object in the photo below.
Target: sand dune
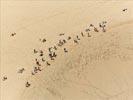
(90, 63)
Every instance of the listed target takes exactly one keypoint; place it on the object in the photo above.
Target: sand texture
(66, 50)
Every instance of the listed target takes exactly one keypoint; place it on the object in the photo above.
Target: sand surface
(98, 67)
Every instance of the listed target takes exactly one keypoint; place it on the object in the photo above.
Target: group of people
(52, 50)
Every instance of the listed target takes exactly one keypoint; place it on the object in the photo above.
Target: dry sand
(99, 67)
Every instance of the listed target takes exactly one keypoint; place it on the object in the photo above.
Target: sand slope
(96, 68)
